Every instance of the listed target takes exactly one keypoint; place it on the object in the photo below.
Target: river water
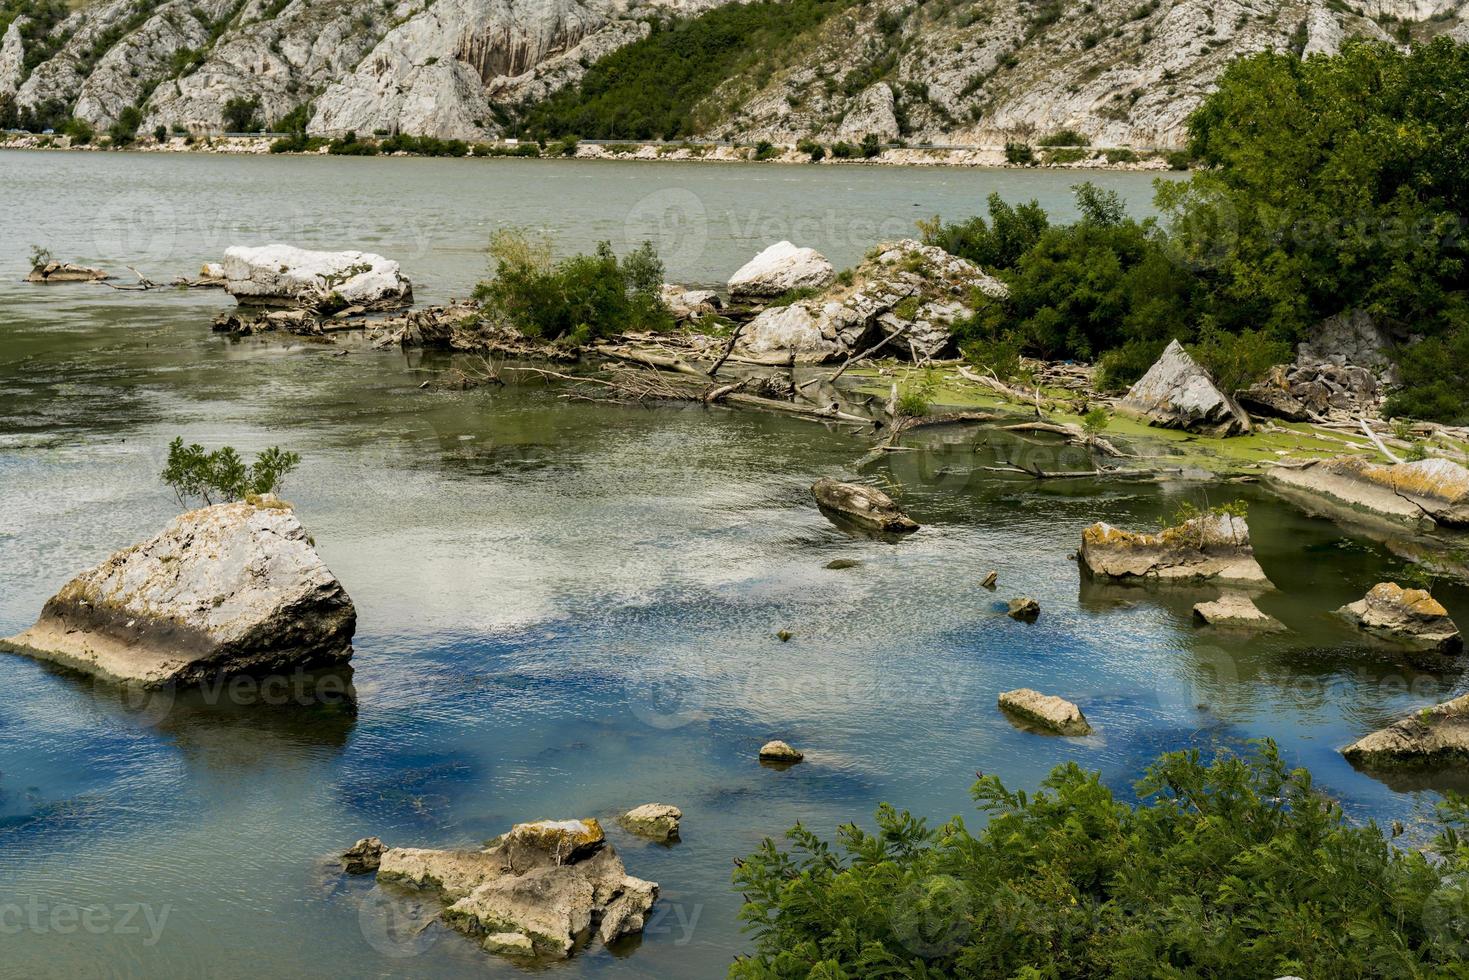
(565, 609)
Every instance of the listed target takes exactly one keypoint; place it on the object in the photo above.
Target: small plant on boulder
(221, 475)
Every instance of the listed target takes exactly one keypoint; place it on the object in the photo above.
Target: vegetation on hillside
(576, 299)
(1330, 184)
(1231, 868)
(652, 88)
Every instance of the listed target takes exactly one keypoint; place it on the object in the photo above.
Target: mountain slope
(1122, 72)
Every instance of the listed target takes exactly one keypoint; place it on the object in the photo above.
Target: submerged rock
(65, 272)
(1045, 711)
(1212, 547)
(1176, 393)
(280, 275)
(780, 752)
(657, 821)
(1433, 736)
(552, 884)
(865, 505)
(1408, 616)
(1234, 610)
(363, 857)
(1025, 609)
(1427, 491)
(779, 269)
(224, 590)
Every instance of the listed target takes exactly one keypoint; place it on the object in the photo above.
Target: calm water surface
(564, 609)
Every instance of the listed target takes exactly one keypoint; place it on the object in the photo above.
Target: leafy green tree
(1232, 868)
(221, 475)
(242, 115)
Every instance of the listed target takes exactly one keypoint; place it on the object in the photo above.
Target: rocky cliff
(1122, 72)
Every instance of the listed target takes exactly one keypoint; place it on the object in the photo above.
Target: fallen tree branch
(1381, 447)
(728, 349)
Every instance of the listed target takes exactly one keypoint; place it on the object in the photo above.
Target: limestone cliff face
(1123, 72)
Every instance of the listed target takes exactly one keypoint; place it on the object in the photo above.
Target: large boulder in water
(1433, 736)
(779, 269)
(866, 506)
(280, 275)
(1177, 393)
(1208, 548)
(1426, 491)
(224, 590)
(1408, 616)
(552, 882)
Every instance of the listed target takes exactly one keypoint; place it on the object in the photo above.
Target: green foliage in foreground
(220, 476)
(1235, 868)
(652, 88)
(578, 299)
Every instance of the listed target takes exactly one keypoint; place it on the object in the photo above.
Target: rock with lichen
(1208, 548)
(1408, 616)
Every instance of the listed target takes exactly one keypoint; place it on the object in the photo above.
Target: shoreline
(1046, 158)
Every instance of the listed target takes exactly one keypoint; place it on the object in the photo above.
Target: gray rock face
(282, 275)
(551, 883)
(1350, 339)
(1408, 616)
(1425, 492)
(1045, 712)
(867, 506)
(1177, 393)
(12, 58)
(1434, 736)
(223, 590)
(1211, 548)
(779, 269)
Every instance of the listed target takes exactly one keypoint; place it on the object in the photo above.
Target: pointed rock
(1177, 393)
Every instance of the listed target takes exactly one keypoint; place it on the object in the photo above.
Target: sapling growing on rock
(221, 475)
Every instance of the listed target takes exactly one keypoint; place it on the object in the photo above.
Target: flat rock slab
(1235, 611)
(1431, 737)
(66, 272)
(224, 590)
(1211, 548)
(1428, 491)
(1045, 712)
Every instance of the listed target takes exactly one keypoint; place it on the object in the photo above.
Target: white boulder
(1045, 712)
(779, 269)
(224, 590)
(281, 275)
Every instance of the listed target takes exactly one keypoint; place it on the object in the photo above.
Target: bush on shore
(577, 299)
(1232, 868)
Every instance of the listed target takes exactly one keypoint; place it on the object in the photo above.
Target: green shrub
(565, 147)
(999, 356)
(1067, 154)
(1065, 137)
(813, 149)
(1019, 153)
(764, 150)
(41, 257)
(1095, 422)
(997, 244)
(842, 150)
(242, 115)
(220, 476)
(348, 145)
(1237, 361)
(160, 133)
(871, 146)
(79, 131)
(125, 130)
(1233, 868)
(578, 299)
(916, 394)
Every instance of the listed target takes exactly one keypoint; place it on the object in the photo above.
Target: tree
(242, 115)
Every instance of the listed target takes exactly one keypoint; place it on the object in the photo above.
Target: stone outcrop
(224, 590)
(688, 305)
(867, 506)
(1176, 393)
(1024, 608)
(363, 857)
(1120, 73)
(1045, 712)
(1408, 616)
(780, 269)
(1236, 611)
(12, 58)
(280, 275)
(1435, 736)
(906, 290)
(65, 272)
(656, 821)
(1428, 491)
(1209, 548)
(1350, 339)
(542, 888)
(780, 753)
